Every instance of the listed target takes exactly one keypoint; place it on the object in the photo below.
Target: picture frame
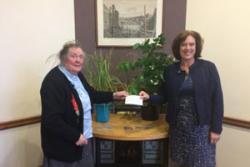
(122, 23)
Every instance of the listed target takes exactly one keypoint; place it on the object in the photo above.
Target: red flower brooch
(75, 106)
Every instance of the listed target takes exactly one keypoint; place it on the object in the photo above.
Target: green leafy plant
(97, 71)
(150, 66)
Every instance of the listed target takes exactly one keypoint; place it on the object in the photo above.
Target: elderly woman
(193, 92)
(66, 125)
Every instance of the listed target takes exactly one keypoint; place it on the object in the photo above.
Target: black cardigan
(60, 126)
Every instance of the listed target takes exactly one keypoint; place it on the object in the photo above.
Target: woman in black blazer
(66, 125)
(193, 93)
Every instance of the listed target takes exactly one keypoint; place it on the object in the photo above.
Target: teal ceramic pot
(102, 112)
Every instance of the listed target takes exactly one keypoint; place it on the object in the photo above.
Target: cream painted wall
(30, 32)
(233, 148)
(225, 27)
(226, 30)
(20, 147)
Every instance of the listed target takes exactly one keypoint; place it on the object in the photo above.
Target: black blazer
(207, 93)
(60, 126)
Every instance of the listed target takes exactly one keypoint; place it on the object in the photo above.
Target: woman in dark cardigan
(66, 125)
(193, 93)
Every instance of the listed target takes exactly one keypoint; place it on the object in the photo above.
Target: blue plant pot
(102, 112)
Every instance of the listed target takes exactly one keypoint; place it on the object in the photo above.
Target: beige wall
(20, 147)
(30, 32)
(225, 26)
(233, 148)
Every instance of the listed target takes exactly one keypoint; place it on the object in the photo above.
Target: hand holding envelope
(134, 100)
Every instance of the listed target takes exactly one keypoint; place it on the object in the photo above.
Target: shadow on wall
(33, 156)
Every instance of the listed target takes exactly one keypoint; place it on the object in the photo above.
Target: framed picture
(126, 22)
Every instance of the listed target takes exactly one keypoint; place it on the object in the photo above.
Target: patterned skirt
(189, 142)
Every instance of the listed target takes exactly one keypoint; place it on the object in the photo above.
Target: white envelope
(134, 100)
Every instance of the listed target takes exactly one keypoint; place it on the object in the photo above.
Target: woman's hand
(214, 137)
(144, 95)
(120, 95)
(81, 141)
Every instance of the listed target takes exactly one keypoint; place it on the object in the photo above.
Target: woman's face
(74, 60)
(188, 48)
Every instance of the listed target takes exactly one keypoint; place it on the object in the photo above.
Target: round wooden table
(127, 127)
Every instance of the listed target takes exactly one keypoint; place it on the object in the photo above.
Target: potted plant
(98, 72)
(150, 67)
(98, 75)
